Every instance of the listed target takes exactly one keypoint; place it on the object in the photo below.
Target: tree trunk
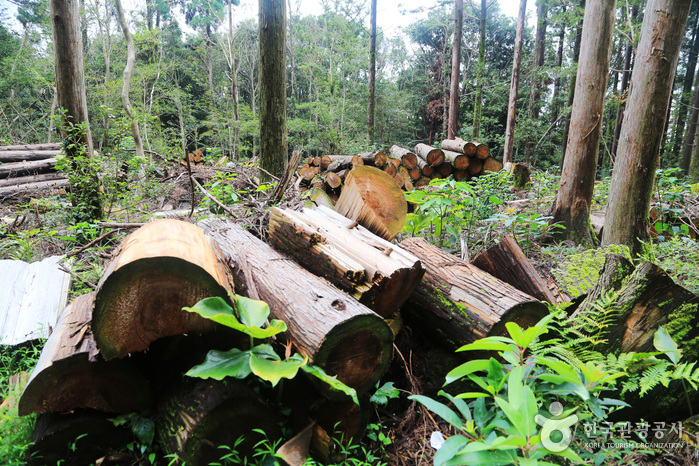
(234, 83)
(69, 375)
(458, 303)
(128, 73)
(541, 23)
(272, 40)
(15, 169)
(459, 145)
(31, 179)
(380, 275)
(689, 138)
(24, 155)
(336, 332)
(371, 110)
(159, 269)
(31, 147)
(453, 126)
(370, 197)
(555, 100)
(406, 157)
(625, 78)
(572, 84)
(507, 261)
(478, 104)
(514, 85)
(429, 154)
(687, 82)
(42, 187)
(572, 208)
(626, 221)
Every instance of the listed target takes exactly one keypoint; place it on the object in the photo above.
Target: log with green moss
(458, 303)
(158, 269)
(334, 330)
(70, 374)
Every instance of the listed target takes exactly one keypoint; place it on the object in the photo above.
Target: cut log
(400, 181)
(22, 180)
(25, 155)
(333, 180)
(458, 160)
(379, 274)
(35, 167)
(307, 172)
(429, 154)
(425, 168)
(457, 303)
(377, 158)
(335, 331)
(69, 375)
(406, 157)
(507, 261)
(459, 145)
(482, 150)
(390, 169)
(199, 416)
(54, 185)
(462, 175)
(491, 165)
(414, 174)
(342, 162)
(476, 166)
(337, 424)
(408, 184)
(422, 181)
(159, 269)
(81, 437)
(32, 147)
(325, 162)
(644, 303)
(444, 169)
(521, 175)
(371, 197)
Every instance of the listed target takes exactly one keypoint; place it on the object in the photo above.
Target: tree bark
(371, 110)
(42, 187)
(555, 100)
(337, 333)
(626, 220)
(458, 303)
(572, 84)
(378, 274)
(234, 83)
(16, 169)
(453, 126)
(31, 147)
(687, 83)
(625, 78)
(25, 155)
(159, 269)
(272, 40)
(514, 85)
(429, 154)
(478, 104)
(572, 208)
(541, 24)
(459, 145)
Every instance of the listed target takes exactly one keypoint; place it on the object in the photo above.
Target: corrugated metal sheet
(31, 297)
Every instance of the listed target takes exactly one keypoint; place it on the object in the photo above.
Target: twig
(210, 196)
(119, 225)
(191, 181)
(265, 171)
(91, 243)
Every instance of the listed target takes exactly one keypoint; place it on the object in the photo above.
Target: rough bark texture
(406, 157)
(15, 169)
(379, 274)
(639, 146)
(458, 303)
(336, 332)
(27, 155)
(159, 269)
(572, 208)
(371, 110)
(625, 78)
(572, 85)
(273, 143)
(478, 104)
(514, 85)
(453, 127)
(687, 83)
(69, 375)
(507, 261)
(541, 23)
(688, 148)
(431, 155)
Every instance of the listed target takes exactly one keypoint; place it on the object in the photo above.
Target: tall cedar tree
(573, 77)
(572, 208)
(273, 139)
(478, 104)
(371, 107)
(453, 127)
(626, 221)
(514, 85)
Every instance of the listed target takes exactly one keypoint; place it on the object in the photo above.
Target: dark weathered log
(80, 437)
(26, 155)
(22, 180)
(521, 175)
(476, 166)
(482, 150)
(444, 169)
(462, 175)
(379, 274)
(337, 424)
(9, 191)
(198, 416)
(429, 154)
(491, 165)
(335, 331)
(32, 147)
(69, 374)
(15, 169)
(645, 302)
(459, 145)
(406, 157)
(506, 261)
(159, 269)
(458, 160)
(458, 303)
(371, 197)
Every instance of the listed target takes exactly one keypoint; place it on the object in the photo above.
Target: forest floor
(399, 431)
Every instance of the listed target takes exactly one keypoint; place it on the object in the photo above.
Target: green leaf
(513, 414)
(333, 382)
(144, 430)
(495, 373)
(485, 458)
(467, 395)
(465, 369)
(273, 370)
(439, 409)
(486, 345)
(664, 342)
(515, 386)
(449, 449)
(460, 404)
(529, 410)
(221, 364)
(218, 310)
(252, 312)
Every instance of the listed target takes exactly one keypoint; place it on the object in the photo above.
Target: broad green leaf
(480, 412)
(331, 381)
(664, 342)
(465, 369)
(483, 345)
(221, 364)
(439, 409)
(252, 312)
(513, 415)
(467, 395)
(515, 385)
(516, 334)
(219, 311)
(273, 370)
(451, 448)
(460, 404)
(562, 369)
(529, 410)
(495, 374)
(570, 455)
(486, 458)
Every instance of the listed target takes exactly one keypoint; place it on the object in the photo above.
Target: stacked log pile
(409, 169)
(29, 167)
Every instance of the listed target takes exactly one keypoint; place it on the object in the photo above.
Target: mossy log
(458, 160)
(70, 375)
(612, 276)
(198, 416)
(320, 197)
(521, 175)
(76, 438)
(379, 274)
(429, 154)
(159, 269)
(371, 197)
(458, 303)
(335, 331)
(459, 145)
(506, 261)
(16, 169)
